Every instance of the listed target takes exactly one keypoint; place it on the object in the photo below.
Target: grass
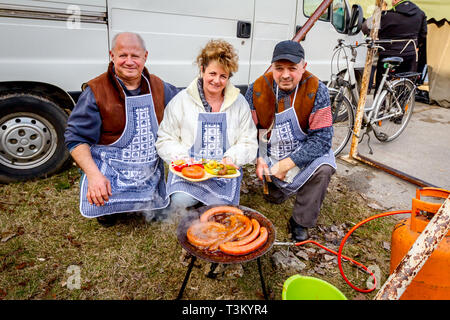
(47, 238)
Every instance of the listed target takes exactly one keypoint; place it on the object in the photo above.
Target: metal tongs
(266, 178)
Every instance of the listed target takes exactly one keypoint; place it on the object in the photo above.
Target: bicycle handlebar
(369, 43)
(376, 47)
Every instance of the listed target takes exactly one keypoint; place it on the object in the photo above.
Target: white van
(50, 48)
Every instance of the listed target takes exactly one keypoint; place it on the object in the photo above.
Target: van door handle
(297, 28)
(244, 29)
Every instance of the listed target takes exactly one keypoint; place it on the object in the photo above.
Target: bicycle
(392, 105)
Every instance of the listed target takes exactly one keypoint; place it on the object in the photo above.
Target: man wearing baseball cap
(291, 109)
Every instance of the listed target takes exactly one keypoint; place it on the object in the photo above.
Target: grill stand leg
(186, 277)
(212, 268)
(263, 285)
(191, 265)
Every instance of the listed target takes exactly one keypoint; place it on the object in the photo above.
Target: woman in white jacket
(209, 119)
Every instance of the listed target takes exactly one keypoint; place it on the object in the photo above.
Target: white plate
(206, 176)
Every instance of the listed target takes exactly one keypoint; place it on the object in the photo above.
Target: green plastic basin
(299, 287)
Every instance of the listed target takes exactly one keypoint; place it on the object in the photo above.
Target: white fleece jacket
(177, 131)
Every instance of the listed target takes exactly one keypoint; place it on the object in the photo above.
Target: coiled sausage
(245, 249)
(252, 236)
(220, 209)
(204, 234)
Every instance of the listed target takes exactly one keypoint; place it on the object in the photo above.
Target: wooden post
(416, 257)
(365, 82)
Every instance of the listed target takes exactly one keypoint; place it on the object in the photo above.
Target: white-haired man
(111, 135)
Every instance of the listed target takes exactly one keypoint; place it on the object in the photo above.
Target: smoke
(180, 217)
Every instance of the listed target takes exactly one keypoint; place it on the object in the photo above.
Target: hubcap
(27, 140)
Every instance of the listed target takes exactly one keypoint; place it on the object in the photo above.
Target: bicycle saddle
(395, 61)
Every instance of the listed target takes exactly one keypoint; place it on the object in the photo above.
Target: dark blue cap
(288, 50)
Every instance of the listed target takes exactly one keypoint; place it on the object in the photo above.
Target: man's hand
(99, 189)
(261, 168)
(280, 168)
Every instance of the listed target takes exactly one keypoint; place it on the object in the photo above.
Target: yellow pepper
(210, 170)
(212, 164)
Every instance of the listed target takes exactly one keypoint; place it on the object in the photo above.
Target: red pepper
(178, 167)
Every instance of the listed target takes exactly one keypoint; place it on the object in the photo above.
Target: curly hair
(220, 51)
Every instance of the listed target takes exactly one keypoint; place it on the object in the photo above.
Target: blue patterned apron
(210, 143)
(287, 136)
(131, 164)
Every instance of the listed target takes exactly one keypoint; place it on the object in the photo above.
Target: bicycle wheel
(388, 126)
(343, 119)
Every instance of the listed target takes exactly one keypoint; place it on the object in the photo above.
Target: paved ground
(421, 151)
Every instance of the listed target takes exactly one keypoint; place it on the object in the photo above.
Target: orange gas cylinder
(433, 280)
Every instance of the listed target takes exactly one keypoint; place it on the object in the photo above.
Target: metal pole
(186, 278)
(263, 285)
(416, 257)
(312, 20)
(394, 172)
(365, 81)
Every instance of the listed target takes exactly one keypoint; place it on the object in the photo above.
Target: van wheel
(31, 138)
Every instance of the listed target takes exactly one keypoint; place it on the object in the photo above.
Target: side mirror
(339, 16)
(356, 20)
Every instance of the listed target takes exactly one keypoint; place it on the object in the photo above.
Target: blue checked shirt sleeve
(320, 131)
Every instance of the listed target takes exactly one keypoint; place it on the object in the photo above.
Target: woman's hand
(188, 160)
(227, 161)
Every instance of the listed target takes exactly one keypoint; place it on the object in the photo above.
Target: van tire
(31, 138)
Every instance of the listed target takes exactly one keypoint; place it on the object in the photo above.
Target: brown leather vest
(264, 100)
(110, 100)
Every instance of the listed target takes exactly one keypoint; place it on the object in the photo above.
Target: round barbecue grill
(218, 256)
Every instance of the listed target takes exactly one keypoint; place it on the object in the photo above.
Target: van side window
(309, 6)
